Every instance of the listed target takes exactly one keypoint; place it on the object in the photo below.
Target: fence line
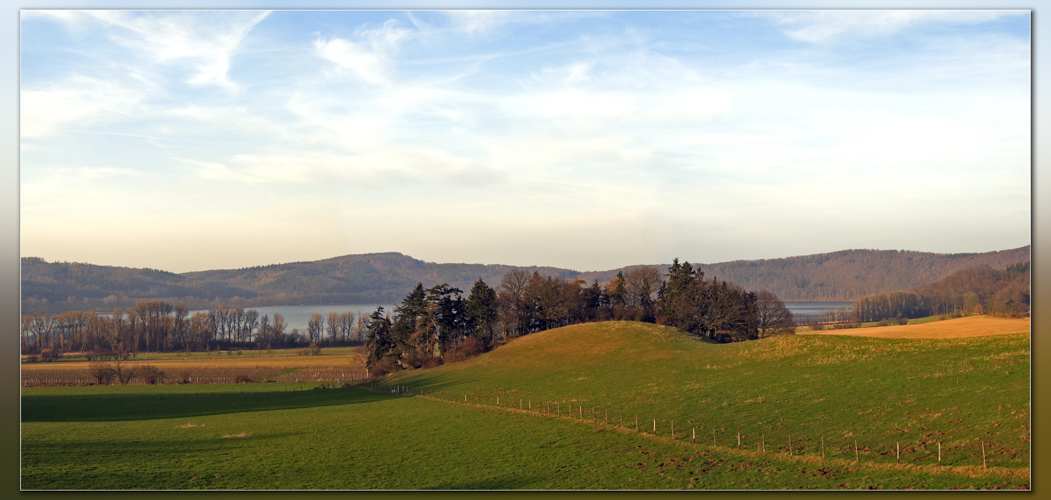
(796, 447)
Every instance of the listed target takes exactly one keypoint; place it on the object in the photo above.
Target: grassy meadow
(563, 395)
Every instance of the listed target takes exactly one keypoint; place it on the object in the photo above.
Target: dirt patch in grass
(971, 326)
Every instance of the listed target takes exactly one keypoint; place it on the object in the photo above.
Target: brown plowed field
(971, 326)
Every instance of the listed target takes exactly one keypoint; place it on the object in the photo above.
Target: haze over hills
(387, 277)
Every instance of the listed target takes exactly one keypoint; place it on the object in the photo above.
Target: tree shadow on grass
(145, 406)
(504, 482)
(103, 464)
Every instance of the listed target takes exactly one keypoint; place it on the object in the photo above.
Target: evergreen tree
(380, 341)
(481, 311)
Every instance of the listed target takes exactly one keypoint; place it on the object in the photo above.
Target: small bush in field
(242, 379)
(151, 375)
(101, 372)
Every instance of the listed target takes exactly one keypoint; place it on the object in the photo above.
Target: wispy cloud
(205, 41)
(368, 55)
(80, 100)
(826, 26)
(547, 125)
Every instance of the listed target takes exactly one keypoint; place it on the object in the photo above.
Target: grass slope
(916, 393)
(959, 393)
(269, 436)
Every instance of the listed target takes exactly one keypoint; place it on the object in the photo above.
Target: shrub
(464, 349)
(184, 377)
(151, 375)
(123, 372)
(312, 350)
(384, 366)
(32, 358)
(101, 371)
(242, 379)
(47, 354)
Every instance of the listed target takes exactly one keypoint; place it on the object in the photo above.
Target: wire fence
(920, 451)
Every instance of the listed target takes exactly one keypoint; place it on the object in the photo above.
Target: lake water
(298, 316)
(805, 310)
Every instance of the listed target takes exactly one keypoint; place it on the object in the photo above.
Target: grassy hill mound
(880, 392)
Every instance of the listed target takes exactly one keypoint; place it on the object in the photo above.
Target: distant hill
(368, 278)
(844, 275)
(387, 277)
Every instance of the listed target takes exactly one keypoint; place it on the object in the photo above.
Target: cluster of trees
(720, 311)
(155, 325)
(976, 290)
(433, 324)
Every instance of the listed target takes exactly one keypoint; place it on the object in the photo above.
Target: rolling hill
(387, 277)
(811, 389)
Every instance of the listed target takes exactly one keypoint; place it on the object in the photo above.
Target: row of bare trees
(339, 328)
(154, 325)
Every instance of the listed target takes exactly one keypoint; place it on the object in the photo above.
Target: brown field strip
(211, 369)
(971, 326)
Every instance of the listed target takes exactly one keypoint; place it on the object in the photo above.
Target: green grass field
(960, 394)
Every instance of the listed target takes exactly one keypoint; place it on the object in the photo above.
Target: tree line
(437, 324)
(976, 290)
(431, 325)
(156, 325)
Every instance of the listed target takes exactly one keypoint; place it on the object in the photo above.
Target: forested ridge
(848, 274)
(975, 290)
(387, 277)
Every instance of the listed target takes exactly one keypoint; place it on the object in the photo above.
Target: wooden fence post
(789, 444)
(713, 438)
(764, 442)
(822, 446)
(983, 455)
(738, 440)
(897, 453)
(673, 429)
(855, 450)
(695, 435)
(939, 453)
(654, 427)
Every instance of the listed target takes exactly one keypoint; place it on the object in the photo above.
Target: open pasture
(290, 436)
(558, 409)
(900, 399)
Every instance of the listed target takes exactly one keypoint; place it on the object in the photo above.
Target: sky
(585, 139)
